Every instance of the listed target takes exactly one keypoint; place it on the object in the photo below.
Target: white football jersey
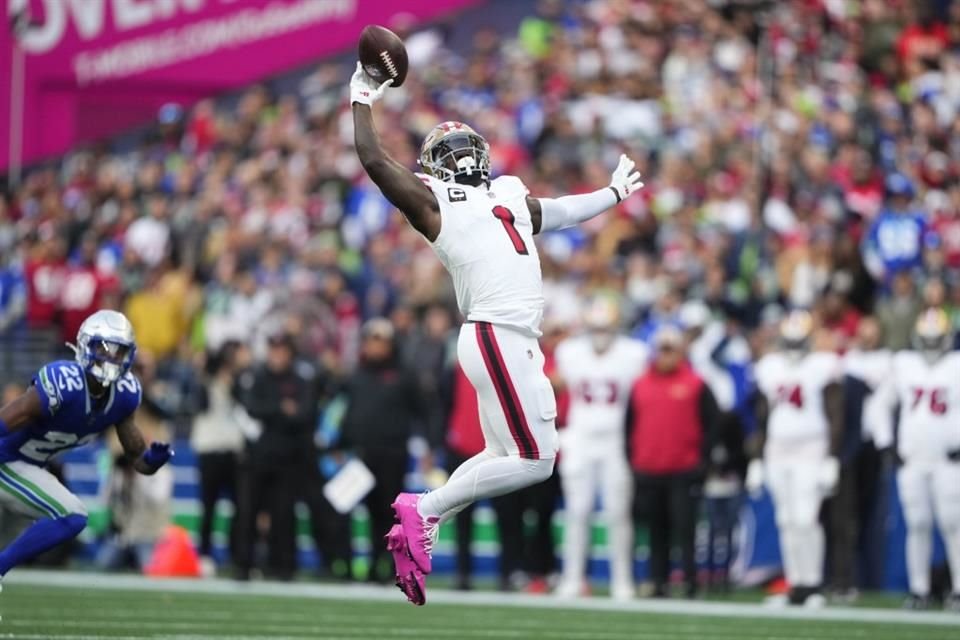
(486, 243)
(797, 424)
(599, 383)
(929, 399)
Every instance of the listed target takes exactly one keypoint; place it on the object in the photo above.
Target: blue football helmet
(106, 346)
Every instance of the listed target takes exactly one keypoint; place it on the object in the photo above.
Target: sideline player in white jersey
(925, 383)
(598, 368)
(800, 422)
(482, 230)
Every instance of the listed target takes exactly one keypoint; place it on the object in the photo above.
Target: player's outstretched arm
(558, 213)
(398, 184)
(146, 460)
(20, 412)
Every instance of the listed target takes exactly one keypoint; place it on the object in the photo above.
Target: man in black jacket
(384, 407)
(283, 395)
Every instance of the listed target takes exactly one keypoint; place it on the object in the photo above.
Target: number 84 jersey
(486, 243)
(70, 416)
(797, 423)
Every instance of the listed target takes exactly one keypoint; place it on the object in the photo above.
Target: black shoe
(797, 595)
(916, 602)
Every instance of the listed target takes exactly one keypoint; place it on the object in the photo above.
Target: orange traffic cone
(174, 556)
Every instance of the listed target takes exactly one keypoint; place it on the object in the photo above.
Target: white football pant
(517, 412)
(930, 492)
(794, 485)
(592, 463)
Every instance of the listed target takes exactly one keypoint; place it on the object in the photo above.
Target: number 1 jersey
(486, 243)
(70, 417)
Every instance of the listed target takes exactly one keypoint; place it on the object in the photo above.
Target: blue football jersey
(71, 417)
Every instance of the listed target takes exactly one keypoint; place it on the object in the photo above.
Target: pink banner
(89, 68)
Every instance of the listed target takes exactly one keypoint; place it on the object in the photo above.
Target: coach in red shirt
(671, 417)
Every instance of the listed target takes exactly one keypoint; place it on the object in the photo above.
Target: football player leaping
(925, 382)
(800, 420)
(598, 368)
(69, 404)
(482, 231)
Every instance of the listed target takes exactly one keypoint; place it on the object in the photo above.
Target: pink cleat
(409, 577)
(420, 532)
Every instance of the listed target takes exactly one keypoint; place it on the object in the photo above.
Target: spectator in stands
(898, 312)
(84, 288)
(13, 333)
(43, 272)
(12, 295)
(217, 439)
(160, 311)
(282, 395)
(895, 240)
(672, 419)
(836, 313)
(384, 409)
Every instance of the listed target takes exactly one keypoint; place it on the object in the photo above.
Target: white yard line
(82, 580)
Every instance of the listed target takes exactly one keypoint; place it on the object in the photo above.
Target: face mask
(601, 340)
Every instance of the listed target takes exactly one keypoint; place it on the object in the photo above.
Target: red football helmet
(454, 150)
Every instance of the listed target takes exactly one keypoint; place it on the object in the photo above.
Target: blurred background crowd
(800, 154)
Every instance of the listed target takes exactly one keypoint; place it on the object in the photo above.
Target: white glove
(364, 89)
(623, 182)
(828, 475)
(754, 480)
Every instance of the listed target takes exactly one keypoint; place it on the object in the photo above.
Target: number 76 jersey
(486, 243)
(929, 397)
(70, 418)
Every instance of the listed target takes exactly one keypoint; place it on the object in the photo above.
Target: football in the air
(383, 55)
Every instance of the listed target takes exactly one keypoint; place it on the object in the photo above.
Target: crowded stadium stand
(796, 155)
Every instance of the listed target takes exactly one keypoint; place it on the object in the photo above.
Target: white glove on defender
(364, 89)
(623, 182)
(828, 475)
(754, 479)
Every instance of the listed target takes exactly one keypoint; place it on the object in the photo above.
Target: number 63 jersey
(70, 417)
(486, 243)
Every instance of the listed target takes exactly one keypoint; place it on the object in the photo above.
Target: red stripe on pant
(506, 392)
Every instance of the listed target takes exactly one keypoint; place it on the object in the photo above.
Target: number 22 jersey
(70, 416)
(486, 243)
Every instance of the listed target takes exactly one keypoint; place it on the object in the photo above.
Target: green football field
(81, 606)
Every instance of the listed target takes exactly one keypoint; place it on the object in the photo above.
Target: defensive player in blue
(68, 405)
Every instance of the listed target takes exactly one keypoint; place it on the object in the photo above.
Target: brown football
(383, 55)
